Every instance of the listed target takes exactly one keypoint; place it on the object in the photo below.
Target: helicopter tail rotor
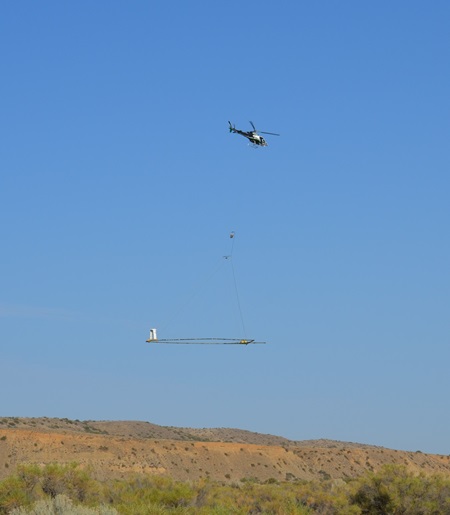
(231, 128)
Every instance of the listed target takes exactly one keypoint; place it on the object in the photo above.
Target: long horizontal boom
(204, 341)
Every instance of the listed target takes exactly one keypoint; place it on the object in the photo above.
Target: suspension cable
(235, 284)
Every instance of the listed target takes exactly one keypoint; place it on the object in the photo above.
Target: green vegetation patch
(34, 490)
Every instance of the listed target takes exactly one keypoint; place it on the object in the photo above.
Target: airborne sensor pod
(152, 337)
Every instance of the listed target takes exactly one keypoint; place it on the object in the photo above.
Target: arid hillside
(118, 449)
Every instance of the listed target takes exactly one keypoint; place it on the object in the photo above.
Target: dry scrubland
(138, 467)
(120, 449)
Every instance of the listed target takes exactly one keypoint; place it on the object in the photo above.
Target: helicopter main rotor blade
(272, 133)
(254, 128)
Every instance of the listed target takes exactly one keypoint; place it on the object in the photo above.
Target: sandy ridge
(119, 449)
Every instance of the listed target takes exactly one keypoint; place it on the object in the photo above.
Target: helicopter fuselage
(253, 137)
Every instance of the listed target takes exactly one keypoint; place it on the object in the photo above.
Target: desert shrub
(323, 497)
(35, 490)
(251, 497)
(12, 494)
(66, 479)
(146, 494)
(373, 498)
(31, 483)
(29, 475)
(62, 505)
(398, 491)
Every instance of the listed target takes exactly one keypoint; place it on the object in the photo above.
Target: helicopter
(253, 136)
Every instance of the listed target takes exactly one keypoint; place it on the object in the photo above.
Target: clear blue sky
(119, 185)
